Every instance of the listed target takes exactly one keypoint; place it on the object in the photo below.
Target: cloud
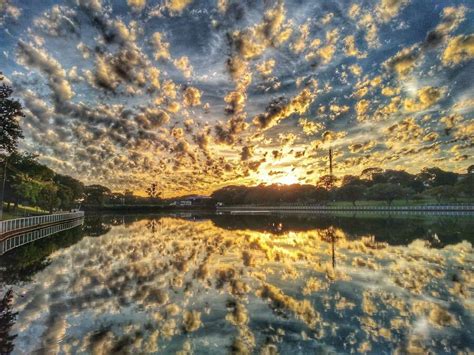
(227, 133)
(390, 8)
(253, 41)
(459, 49)
(299, 44)
(239, 71)
(235, 102)
(94, 5)
(265, 68)
(282, 108)
(60, 21)
(161, 46)
(192, 96)
(310, 127)
(408, 58)
(184, 65)
(365, 21)
(351, 49)
(247, 153)
(361, 108)
(38, 58)
(136, 5)
(108, 88)
(404, 61)
(331, 136)
(362, 147)
(183, 149)
(8, 11)
(177, 6)
(425, 98)
(203, 140)
(326, 52)
(451, 19)
(407, 130)
(104, 76)
(152, 118)
(355, 69)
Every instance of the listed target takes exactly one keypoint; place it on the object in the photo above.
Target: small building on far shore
(193, 201)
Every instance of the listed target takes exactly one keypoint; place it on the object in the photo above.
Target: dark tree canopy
(10, 111)
(385, 192)
(433, 177)
(32, 183)
(96, 194)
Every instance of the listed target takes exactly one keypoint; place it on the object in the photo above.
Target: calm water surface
(212, 284)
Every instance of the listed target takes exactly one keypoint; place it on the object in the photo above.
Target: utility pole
(330, 162)
(2, 187)
(331, 176)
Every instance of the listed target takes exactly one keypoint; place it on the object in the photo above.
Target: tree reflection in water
(202, 284)
(7, 319)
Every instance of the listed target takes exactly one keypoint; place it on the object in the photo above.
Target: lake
(204, 283)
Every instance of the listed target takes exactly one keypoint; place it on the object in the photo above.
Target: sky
(195, 95)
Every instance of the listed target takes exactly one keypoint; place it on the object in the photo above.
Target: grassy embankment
(401, 202)
(21, 211)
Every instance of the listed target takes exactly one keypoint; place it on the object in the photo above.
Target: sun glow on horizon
(286, 178)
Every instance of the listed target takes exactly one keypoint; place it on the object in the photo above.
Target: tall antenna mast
(330, 162)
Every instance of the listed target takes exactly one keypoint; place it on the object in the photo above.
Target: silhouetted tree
(351, 192)
(48, 198)
(465, 186)
(327, 181)
(152, 191)
(10, 111)
(441, 193)
(10, 132)
(432, 177)
(70, 191)
(95, 195)
(385, 192)
(370, 173)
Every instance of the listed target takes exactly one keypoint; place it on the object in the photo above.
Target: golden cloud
(404, 61)
(136, 5)
(351, 49)
(177, 5)
(362, 147)
(310, 127)
(425, 98)
(361, 109)
(459, 49)
(390, 8)
(161, 46)
(183, 64)
(265, 68)
(192, 96)
(279, 110)
(252, 42)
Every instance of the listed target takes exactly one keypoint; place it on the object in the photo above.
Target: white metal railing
(31, 236)
(21, 223)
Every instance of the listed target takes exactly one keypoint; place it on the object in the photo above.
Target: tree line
(373, 184)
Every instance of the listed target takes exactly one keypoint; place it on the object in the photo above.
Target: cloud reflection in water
(173, 285)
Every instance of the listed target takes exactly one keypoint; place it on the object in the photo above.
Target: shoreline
(309, 208)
